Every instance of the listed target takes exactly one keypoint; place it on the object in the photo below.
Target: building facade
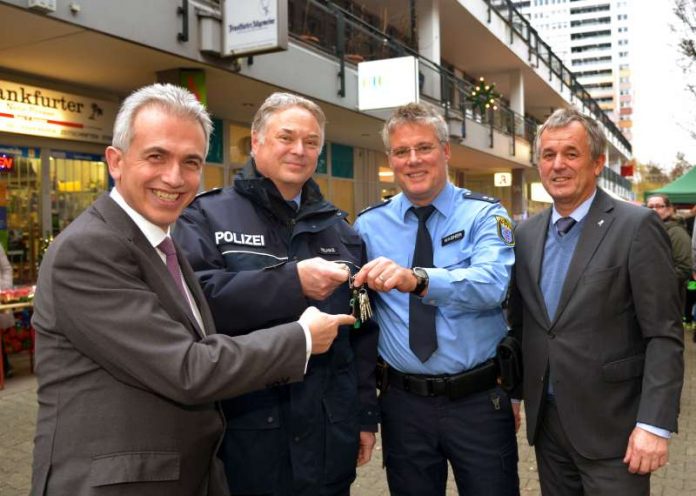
(66, 65)
(592, 39)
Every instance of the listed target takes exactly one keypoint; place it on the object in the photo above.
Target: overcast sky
(664, 111)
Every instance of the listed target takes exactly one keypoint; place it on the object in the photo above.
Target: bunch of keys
(359, 303)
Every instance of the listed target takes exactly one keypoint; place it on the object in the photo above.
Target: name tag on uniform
(327, 251)
(239, 238)
(451, 238)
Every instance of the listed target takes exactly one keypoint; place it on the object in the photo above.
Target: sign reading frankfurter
(26, 109)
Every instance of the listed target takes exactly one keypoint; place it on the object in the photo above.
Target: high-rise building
(592, 39)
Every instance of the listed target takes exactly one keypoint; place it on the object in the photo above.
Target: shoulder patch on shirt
(451, 238)
(372, 207)
(470, 195)
(505, 232)
(209, 192)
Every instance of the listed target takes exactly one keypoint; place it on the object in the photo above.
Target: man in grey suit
(594, 299)
(128, 363)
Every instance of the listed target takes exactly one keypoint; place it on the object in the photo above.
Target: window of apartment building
(590, 34)
(587, 10)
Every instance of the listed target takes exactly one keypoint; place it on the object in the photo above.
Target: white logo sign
(254, 26)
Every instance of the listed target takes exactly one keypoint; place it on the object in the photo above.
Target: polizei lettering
(239, 238)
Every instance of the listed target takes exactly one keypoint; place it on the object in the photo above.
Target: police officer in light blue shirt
(440, 321)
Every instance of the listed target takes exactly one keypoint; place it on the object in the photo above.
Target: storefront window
(77, 180)
(20, 193)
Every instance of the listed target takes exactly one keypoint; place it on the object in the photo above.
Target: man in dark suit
(128, 363)
(594, 299)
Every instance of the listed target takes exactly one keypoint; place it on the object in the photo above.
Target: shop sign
(6, 163)
(502, 179)
(254, 26)
(21, 151)
(36, 111)
(90, 157)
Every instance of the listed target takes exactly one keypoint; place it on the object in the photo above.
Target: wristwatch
(421, 280)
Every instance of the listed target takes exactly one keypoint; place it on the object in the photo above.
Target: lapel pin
(600, 223)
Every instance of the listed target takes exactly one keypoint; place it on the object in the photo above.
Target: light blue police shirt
(473, 262)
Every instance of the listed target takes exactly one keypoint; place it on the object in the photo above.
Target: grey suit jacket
(616, 343)
(127, 381)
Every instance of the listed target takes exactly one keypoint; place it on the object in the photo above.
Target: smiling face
(160, 172)
(567, 170)
(421, 171)
(287, 149)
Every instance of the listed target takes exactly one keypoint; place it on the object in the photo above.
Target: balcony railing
(616, 178)
(540, 51)
(332, 30)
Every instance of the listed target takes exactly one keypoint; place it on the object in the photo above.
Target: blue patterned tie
(564, 224)
(422, 337)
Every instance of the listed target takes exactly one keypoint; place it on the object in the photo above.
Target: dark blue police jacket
(244, 243)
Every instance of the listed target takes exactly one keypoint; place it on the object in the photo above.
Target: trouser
(475, 433)
(564, 472)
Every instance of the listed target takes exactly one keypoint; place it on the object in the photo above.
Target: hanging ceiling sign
(254, 26)
(387, 83)
(36, 111)
(502, 179)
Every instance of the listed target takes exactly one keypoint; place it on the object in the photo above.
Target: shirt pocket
(454, 256)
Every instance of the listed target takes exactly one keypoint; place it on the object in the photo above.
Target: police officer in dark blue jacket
(264, 250)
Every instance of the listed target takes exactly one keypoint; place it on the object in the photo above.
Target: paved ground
(18, 414)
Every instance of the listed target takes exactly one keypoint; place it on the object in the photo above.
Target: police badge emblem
(505, 232)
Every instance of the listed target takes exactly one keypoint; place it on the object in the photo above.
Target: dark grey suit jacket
(127, 381)
(616, 343)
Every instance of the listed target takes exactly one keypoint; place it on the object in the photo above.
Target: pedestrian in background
(595, 301)
(6, 318)
(440, 261)
(679, 239)
(264, 250)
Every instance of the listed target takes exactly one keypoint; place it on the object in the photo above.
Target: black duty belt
(480, 378)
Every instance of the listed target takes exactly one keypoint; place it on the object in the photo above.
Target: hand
(646, 452)
(516, 413)
(382, 274)
(319, 278)
(367, 443)
(323, 327)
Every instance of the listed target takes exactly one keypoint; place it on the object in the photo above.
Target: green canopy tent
(680, 191)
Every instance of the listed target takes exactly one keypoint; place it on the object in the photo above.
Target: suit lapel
(160, 279)
(596, 226)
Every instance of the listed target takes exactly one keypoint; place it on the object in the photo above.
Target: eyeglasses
(405, 151)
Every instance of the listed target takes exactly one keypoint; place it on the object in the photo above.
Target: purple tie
(167, 247)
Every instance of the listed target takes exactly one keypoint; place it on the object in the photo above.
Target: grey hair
(278, 102)
(415, 113)
(174, 99)
(563, 117)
